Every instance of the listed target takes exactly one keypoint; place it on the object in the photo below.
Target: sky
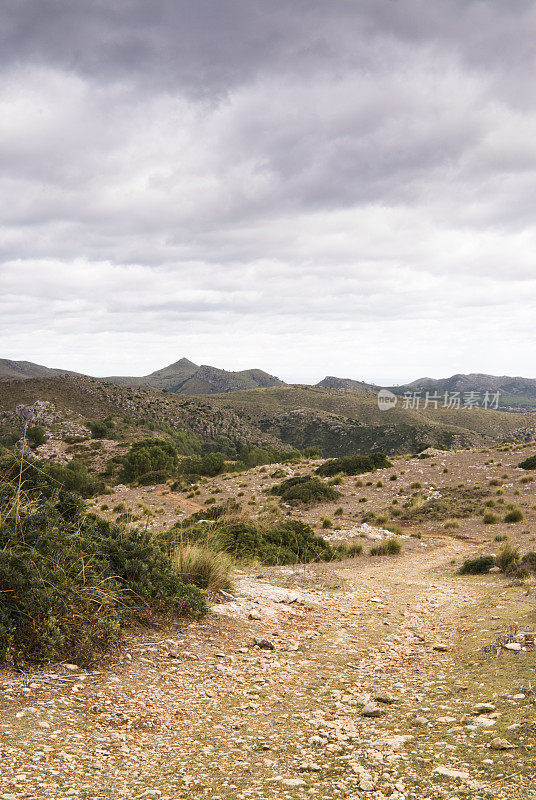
(310, 187)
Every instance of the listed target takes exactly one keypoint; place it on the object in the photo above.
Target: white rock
(451, 773)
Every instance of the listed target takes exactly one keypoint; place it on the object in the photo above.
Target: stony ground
(355, 679)
(359, 679)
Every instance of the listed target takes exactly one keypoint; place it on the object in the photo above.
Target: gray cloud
(217, 179)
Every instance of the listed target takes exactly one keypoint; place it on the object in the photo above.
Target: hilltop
(185, 377)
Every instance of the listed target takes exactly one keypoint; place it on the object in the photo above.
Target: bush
(73, 477)
(529, 463)
(507, 557)
(304, 490)
(524, 568)
(354, 465)
(390, 547)
(71, 580)
(202, 567)
(149, 455)
(514, 515)
(152, 478)
(490, 518)
(36, 435)
(209, 465)
(288, 542)
(477, 566)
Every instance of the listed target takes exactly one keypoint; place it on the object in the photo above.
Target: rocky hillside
(516, 393)
(185, 377)
(339, 421)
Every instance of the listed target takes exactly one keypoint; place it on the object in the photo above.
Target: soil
(344, 680)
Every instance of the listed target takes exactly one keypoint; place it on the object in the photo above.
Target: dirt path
(209, 714)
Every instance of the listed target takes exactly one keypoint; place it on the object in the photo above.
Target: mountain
(330, 382)
(24, 370)
(169, 378)
(185, 377)
(515, 393)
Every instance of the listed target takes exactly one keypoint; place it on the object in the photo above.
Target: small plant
(393, 477)
(379, 484)
(339, 511)
(326, 523)
(501, 537)
(507, 557)
(451, 524)
(416, 485)
(514, 515)
(477, 566)
(390, 547)
(529, 463)
(490, 518)
(495, 482)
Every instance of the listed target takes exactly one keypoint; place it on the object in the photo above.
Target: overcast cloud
(309, 187)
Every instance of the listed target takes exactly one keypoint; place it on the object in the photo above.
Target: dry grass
(203, 567)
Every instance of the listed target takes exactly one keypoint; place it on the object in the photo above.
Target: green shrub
(477, 566)
(149, 455)
(210, 465)
(101, 429)
(490, 518)
(514, 515)
(529, 463)
(326, 523)
(354, 465)
(71, 580)
(73, 477)
(154, 477)
(304, 490)
(36, 435)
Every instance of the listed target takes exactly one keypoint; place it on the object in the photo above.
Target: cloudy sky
(313, 187)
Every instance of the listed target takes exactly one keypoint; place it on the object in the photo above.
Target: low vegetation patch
(456, 502)
(477, 566)
(390, 547)
(354, 465)
(529, 463)
(304, 489)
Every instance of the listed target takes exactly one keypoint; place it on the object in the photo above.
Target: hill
(515, 393)
(185, 377)
(24, 370)
(330, 382)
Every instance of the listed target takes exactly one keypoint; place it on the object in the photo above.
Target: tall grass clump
(390, 547)
(202, 566)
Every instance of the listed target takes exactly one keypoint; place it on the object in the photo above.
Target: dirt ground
(343, 680)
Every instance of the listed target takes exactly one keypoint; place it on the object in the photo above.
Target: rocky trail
(360, 679)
